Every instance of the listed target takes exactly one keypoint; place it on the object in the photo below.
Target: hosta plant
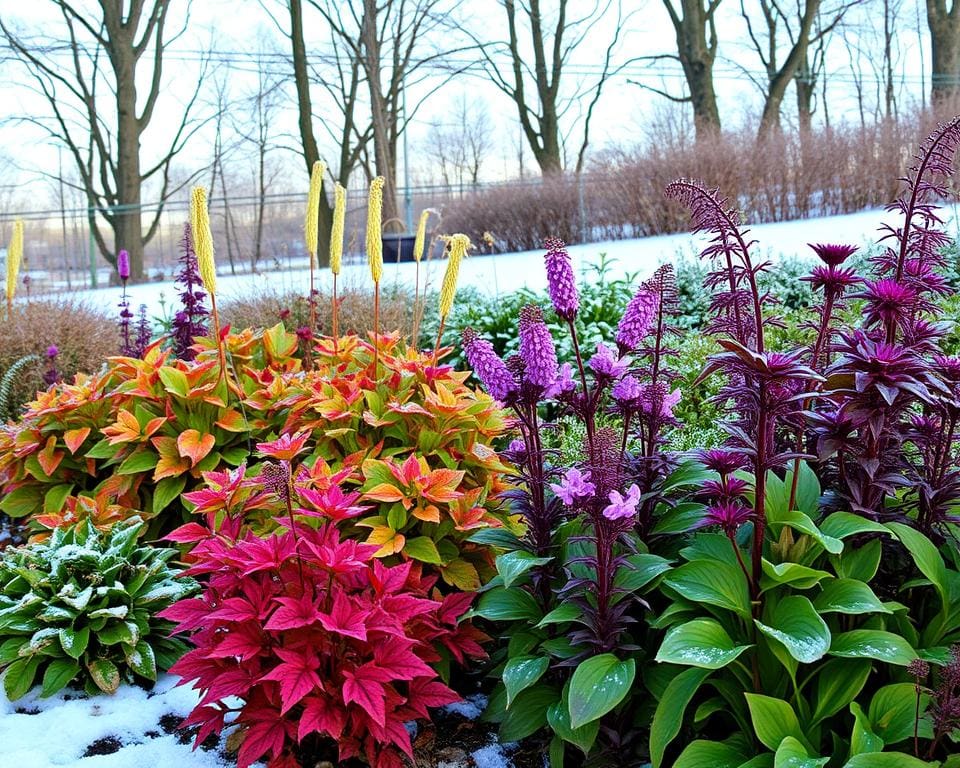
(328, 650)
(82, 608)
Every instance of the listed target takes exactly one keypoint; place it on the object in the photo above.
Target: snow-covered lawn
(503, 273)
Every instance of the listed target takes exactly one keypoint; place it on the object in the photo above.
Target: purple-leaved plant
(190, 321)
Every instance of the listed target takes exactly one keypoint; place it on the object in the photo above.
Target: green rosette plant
(81, 607)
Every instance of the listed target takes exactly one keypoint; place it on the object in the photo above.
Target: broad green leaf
(838, 683)
(925, 555)
(496, 537)
(873, 644)
(848, 596)
(774, 720)
(795, 623)
(710, 754)
(166, 491)
(119, 632)
(424, 549)
(892, 713)
(507, 605)
(513, 565)
(142, 660)
(561, 614)
(597, 686)
(22, 502)
(714, 583)
(19, 676)
(799, 576)
(528, 713)
(668, 718)
(639, 571)
(802, 523)
(104, 674)
(174, 380)
(55, 497)
(700, 643)
(139, 461)
(886, 760)
(843, 524)
(680, 518)
(522, 672)
(863, 740)
(860, 563)
(558, 717)
(74, 642)
(792, 754)
(58, 675)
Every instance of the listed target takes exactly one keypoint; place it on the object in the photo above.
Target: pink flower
(605, 364)
(575, 486)
(620, 506)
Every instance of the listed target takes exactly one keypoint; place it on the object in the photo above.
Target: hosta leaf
(892, 713)
(886, 760)
(792, 754)
(597, 686)
(774, 720)
(700, 643)
(142, 660)
(74, 642)
(119, 632)
(558, 717)
(838, 683)
(848, 596)
(58, 675)
(863, 740)
(507, 605)
(843, 524)
(668, 718)
(528, 713)
(513, 565)
(714, 583)
(795, 623)
(522, 672)
(710, 754)
(873, 644)
(799, 576)
(104, 674)
(19, 676)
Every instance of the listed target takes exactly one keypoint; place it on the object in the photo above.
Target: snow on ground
(504, 273)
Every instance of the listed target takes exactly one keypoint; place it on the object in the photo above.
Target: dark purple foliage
(50, 374)
(190, 321)
(144, 331)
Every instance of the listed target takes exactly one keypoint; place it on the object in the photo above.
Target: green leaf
(802, 523)
(118, 632)
(522, 672)
(714, 583)
(700, 643)
(104, 674)
(925, 555)
(639, 571)
(680, 518)
(19, 676)
(496, 537)
(774, 720)
(799, 576)
(58, 675)
(863, 740)
(142, 660)
(792, 754)
(561, 614)
(529, 713)
(893, 710)
(843, 524)
(74, 642)
(22, 502)
(558, 717)
(166, 491)
(710, 754)
(795, 623)
(55, 497)
(886, 760)
(860, 563)
(513, 565)
(507, 605)
(10, 650)
(174, 380)
(838, 683)
(424, 549)
(668, 718)
(848, 596)
(139, 461)
(873, 644)
(597, 686)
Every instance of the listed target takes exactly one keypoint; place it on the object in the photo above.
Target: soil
(105, 746)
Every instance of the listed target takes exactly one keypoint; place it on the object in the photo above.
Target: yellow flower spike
(336, 231)
(203, 239)
(374, 229)
(14, 256)
(420, 241)
(459, 245)
(312, 223)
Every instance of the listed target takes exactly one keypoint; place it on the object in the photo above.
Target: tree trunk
(805, 83)
(945, 50)
(697, 56)
(308, 141)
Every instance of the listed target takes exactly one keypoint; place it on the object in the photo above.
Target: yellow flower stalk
(418, 246)
(374, 229)
(14, 257)
(458, 245)
(203, 239)
(419, 242)
(336, 231)
(311, 225)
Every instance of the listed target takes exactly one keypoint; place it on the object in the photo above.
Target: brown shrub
(83, 336)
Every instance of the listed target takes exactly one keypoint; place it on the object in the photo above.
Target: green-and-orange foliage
(412, 439)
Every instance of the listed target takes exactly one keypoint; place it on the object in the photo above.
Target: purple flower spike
(123, 265)
(729, 515)
(721, 460)
(487, 366)
(628, 391)
(605, 364)
(560, 280)
(564, 383)
(620, 506)
(888, 301)
(833, 255)
(52, 351)
(574, 487)
(536, 348)
(637, 320)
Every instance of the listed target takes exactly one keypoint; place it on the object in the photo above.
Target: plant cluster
(82, 607)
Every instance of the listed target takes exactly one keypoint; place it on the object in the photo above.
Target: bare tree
(217, 173)
(460, 141)
(944, 25)
(97, 114)
(535, 86)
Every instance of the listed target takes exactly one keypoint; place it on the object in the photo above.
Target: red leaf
(236, 609)
(297, 676)
(428, 692)
(345, 618)
(244, 641)
(188, 534)
(265, 736)
(367, 693)
(189, 614)
(294, 612)
(396, 655)
(320, 715)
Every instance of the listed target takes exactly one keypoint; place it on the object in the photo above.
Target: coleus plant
(328, 649)
(82, 608)
(571, 587)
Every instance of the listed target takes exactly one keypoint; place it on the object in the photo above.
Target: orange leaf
(385, 492)
(194, 446)
(153, 425)
(232, 421)
(73, 438)
(391, 541)
(125, 430)
(429, 514)
(49, 458)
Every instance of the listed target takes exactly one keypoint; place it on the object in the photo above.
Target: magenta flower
(561, 283)
(637, 320)
(831, 279)
(833, 255)
(727, 487)
(888, 301)
(563, 384)
(628, 391)
(620, 506)
(536, 348)
(728, 515)
(574, 487)
(52, 351)
(721, 460)
(605, 364)
(487, 366)
(123, 265)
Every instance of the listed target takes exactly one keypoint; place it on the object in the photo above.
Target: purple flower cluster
(561, 284)
(487, 366)
(537, 349)
(574, 487)
(637, 320)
